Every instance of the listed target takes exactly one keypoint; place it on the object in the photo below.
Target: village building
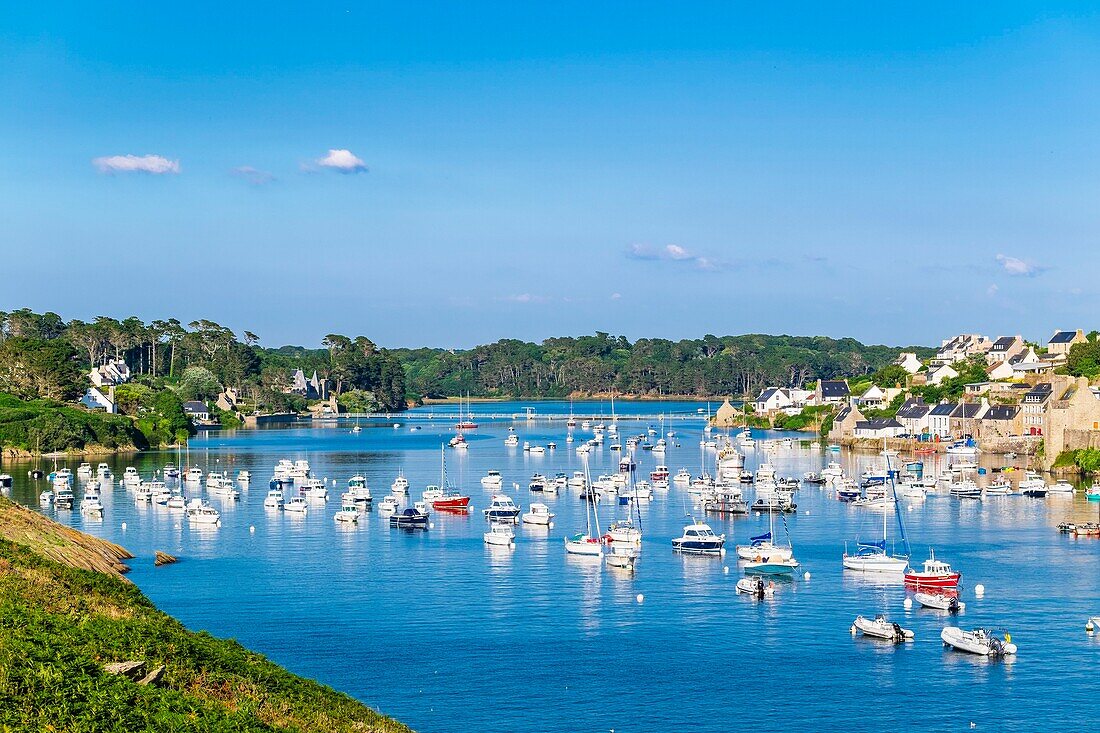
(1004, 348)
(964, 417)
(886, 427)
(913, 415)
(1033, 407)
(960, 348)
(111, 373)
(313, 388)
(939, 419)
(844, 423)
(1072, 420)
(1062, 341)
(95, 399)
(908, 361)
(227, 400)
(832, 392)
(1000, 370)
(197, 411)
(728, 416)
(1000, 421)
(941, 373)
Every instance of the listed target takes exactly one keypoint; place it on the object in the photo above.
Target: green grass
(59, 625)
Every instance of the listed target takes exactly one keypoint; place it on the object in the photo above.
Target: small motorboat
(935, 574)
(881, 628)
(771, 566)
(360, 492)
(1092, 493)
(939, 601)
(45, 499)
(348, 514)
(537, 483)
(274, 499)
(389, 505)
(500, 535)
(244, 477)
(63, 498)
(999, 487)
(199, 512)
(492, 480)
(411, 518)
(683, 476)
(622, 556)
(699, 539)
(978, 641)
(1061, 486)
(501, 509)
(623, 531)
(297, 505)
(400, 485)
(539, 514)
(756, 587)
(90, 504)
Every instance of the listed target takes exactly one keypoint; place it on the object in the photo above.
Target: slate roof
(1062, 337)
(967, 410)
(1001, 412)
(879, 424)
(1003, 343)
(195, 406)
(1039, 393)
(834, 388)
(913, 410)
(944, 409)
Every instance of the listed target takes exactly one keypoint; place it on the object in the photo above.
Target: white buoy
(910, 507)
(908, 603)
(431, 525)
(806, 575)
(640, 598)
(806, 513)
(252, 529)
(1090, 627)
(124, 525)
(979, 590)
(726, 570)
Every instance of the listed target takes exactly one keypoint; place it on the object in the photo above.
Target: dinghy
(939, 601)
(880, 627)
(756, 587)
(978, 641)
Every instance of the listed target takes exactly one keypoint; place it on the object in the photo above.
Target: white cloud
(343, 161)
(1018, 268)
(525, 298)
(254, 176)
(153, 164)
(616, 296)
(992, 290)
(675, 253)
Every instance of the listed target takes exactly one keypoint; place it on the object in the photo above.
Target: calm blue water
(447, 634)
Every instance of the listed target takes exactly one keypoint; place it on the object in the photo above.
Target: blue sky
(893, 172)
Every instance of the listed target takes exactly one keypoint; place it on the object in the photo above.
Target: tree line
(602, 363)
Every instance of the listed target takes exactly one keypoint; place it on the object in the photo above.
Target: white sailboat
(588, 543)
(872, 557)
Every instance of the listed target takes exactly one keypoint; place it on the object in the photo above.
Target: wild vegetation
(59, 625)
(48, 425)
(598, 364)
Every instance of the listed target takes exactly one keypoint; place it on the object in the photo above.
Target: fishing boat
(935, 574)
(359, 491)
(63, 498)
(660, 473)
(539, 514)
(90, 503)
(590, 542)
(501, 509)
(978, 641)
(501, 535)
(939, 601)
(699, 539)
(400, 485)
(756, 587)
(411, 518)
(880, 627)
(726, 501)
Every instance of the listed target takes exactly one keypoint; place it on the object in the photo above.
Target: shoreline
(599, 397)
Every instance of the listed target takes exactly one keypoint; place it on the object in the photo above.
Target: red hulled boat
(936, 574)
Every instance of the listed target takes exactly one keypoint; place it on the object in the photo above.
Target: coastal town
(1025, 402)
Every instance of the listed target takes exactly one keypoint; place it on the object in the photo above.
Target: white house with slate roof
(913, 415)
(1004, 348)
(908, 361)
(940, 373)
(939, 419)
(832, 392)
(886, 427)
(960, 347)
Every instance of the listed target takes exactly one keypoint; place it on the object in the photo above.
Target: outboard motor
(996, 649)
(953, 605)
(899, 635)
(759, 588)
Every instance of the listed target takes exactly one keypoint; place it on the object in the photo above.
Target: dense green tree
(34, 367)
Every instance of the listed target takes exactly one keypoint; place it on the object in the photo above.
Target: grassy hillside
(55, 426)
(60, 623)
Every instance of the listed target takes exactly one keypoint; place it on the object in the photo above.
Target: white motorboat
(501, 509)
(400, 485)
(512, 440)
(978, 641)
(939, 601)
(348, 514)
(682, 477)
(699, 539)
(297, 505)
(84, 470)
(501, 535)
(623, 531)
(999, 487)
(358, 490)
(966, 489)
(63, 497)
(90, 504)
(274, 499)
(389, 505)
(1033, 485)
(1061, 486)
(756, 587)
(492, 480)
(103, 470)
(622, 556)
(314, 488)
(199, 512)
(218, 484)
(143, 493)
(130, 476)
(538, 514)
(194, 476)
(244, 477)
(176, 501)
(880, 627)
(45, 499)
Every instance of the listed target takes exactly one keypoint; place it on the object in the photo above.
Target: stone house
(1062, 341)
(1000, 421)
(1072, 417)
(1033, 408)
(913, 415)
(886, 427)
(1004, 348)
(844, 423)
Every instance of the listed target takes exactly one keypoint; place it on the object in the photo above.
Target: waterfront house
(940, 373)
(728, 416)
(771, 400)
(1000, 370)
(960, 348)
(1062, 341)
(1000, 421)
(94, 399)
(886, 427)
(1034, 406)
(913, 415)
(197, 411)
(844, 423)
(110, 373)
(313, 388)
(832, 392)
(1004, 349)
(963, 419)
(1072, 419)
(908, 361)
(228, 400)
(939, 419)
